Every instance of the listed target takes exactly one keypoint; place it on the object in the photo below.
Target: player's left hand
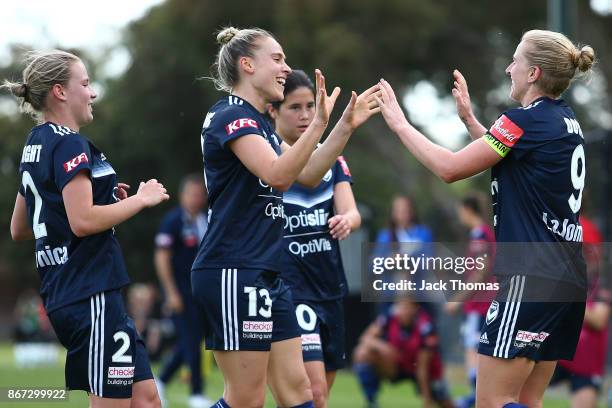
(339, 226)
(361, 108)
(324, 103)
(122, 191)
(390, 108)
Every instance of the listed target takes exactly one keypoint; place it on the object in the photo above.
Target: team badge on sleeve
(74, 162)
(238, 124)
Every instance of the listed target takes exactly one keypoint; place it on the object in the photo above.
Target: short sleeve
(21, 190)
(71, 155)
(167, 234)
(231, 123)
(342, 171)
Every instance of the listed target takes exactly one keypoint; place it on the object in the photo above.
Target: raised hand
(152, 193)
(361, 108)
(389, 107)
(462, 97)
(324, 103)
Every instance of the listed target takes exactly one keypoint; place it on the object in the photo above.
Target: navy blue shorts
(105, 353)
(576, 381)
(246, 309)
(322, 328)
(539, 331)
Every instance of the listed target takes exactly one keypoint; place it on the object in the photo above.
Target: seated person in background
(402, 344)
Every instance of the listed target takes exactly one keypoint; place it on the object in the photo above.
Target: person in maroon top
(586, 371)
(475, 304)
(402, 344)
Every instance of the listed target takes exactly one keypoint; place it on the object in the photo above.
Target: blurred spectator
(402, 344)
(31, 321)
(404, 234)
(475, 304)
(142, 299)
(177, 242)
(585, 372)
(404, 226)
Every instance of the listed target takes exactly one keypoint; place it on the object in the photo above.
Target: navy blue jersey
(71, 268)
(537, 186)
(245, 219)
(312, 266)
(181, 234)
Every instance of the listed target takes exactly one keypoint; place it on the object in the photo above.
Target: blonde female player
(248, 313)
(536, 153)
(69, 202)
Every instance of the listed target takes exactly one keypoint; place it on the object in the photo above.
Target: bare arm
(449, 166)
(357, 112)
(85, 218)
(597, 317)
(163, 267)
(464, 107)
(347, 218)
(20, 226)
(281, 171)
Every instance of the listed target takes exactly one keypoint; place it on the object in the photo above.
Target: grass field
(345, 394)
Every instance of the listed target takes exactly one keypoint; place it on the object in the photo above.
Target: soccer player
(315, 219)
(177, 240)
(250, 320)
(536, 153)
(69, 202)
(475, 304)
(404, 226)
(402, 344)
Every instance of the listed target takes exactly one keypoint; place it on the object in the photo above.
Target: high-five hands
(390, 108)
(361, 108)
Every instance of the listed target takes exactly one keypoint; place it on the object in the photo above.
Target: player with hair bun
(248, 312)
(69, 201)
(536, 153)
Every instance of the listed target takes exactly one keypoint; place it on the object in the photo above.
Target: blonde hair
(43, 70)
(235, 43)
(558, 58)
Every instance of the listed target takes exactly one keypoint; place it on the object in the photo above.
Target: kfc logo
(506, 131)
(239, 124)
(72, 164)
